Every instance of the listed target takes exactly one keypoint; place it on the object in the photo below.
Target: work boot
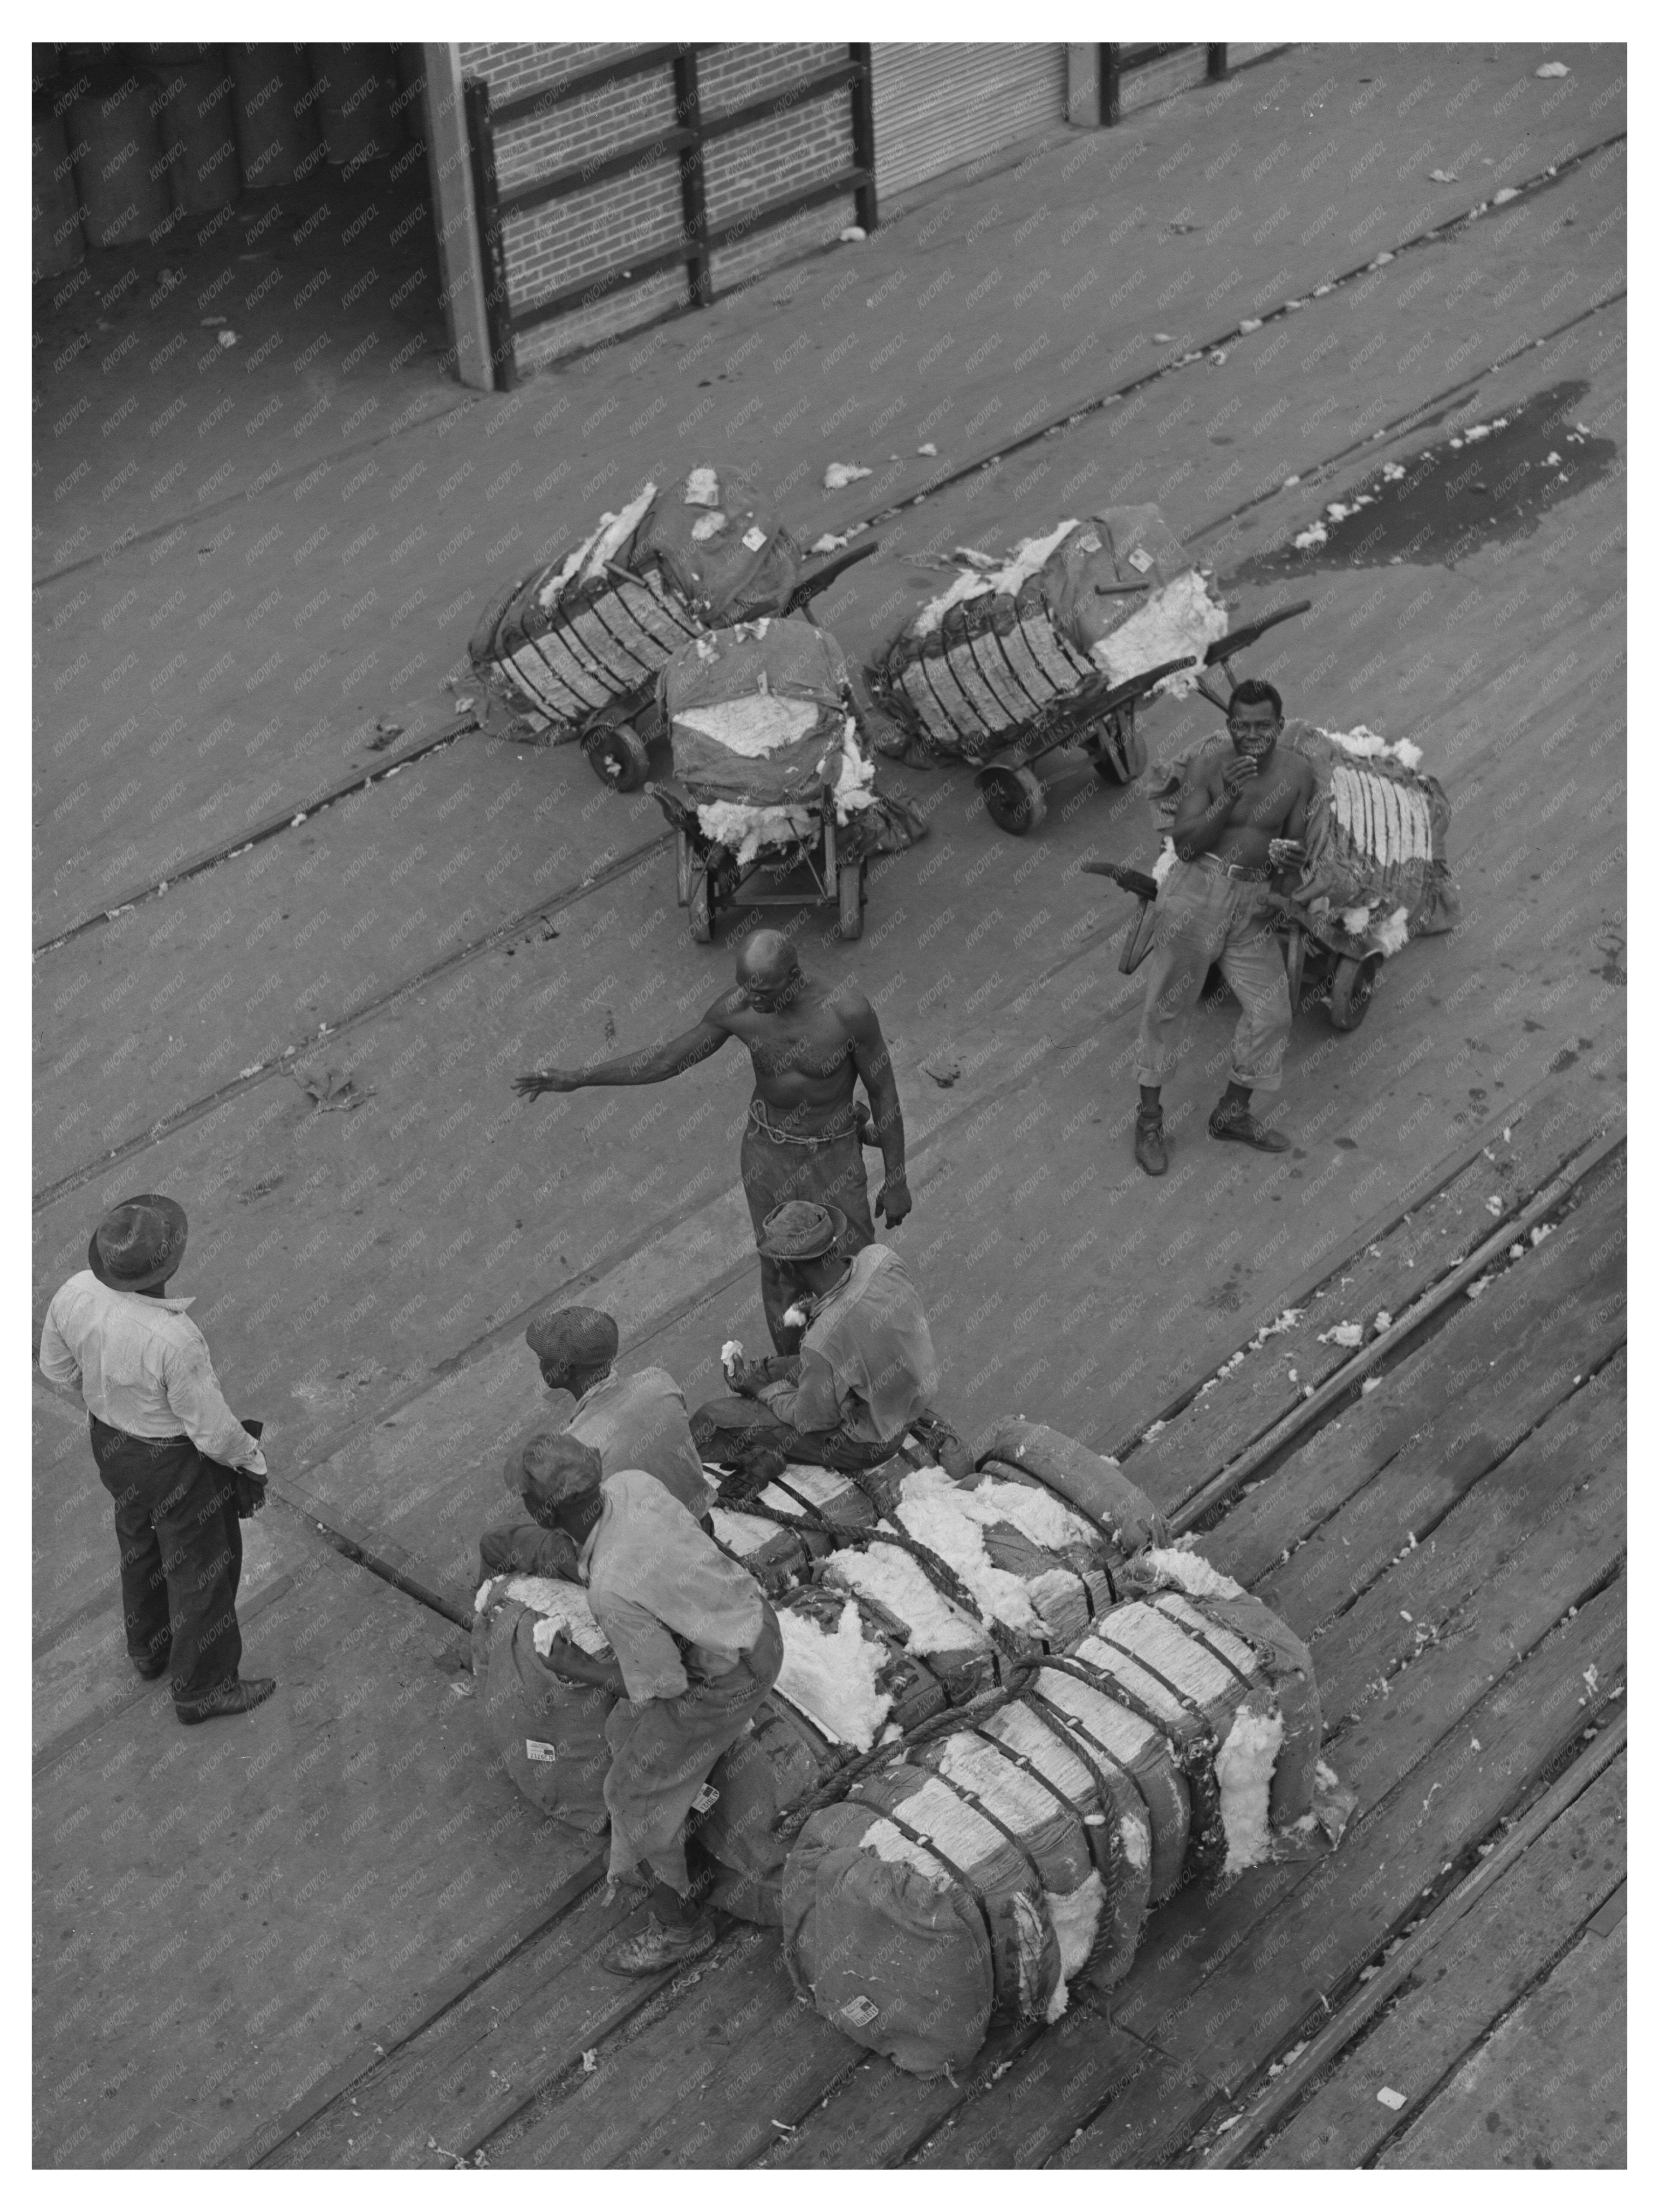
(656, 1950)
(941, 1440)
(1150, 1149)
(1238, 1126)
(151, 1669)
(220, 1703)
(750, 1473)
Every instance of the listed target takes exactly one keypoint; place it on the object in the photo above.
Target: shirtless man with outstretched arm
(811, 1044)
(1238, 833)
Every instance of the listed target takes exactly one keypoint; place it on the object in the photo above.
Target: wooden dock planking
(1388, 1274)
(1277, 1979)
(1539, 2093)
(596, 2119)
(1461, 1554)
(1490, 1565)
(1481, 1967)
(778, 2079)
(1502, 1359)
(467, 2072)
(879, 2114)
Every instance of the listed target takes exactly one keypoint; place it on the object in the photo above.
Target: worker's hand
(746, 1376)
(1284, 852)
(894, 1200)
(1238, 772)
(546, 1078)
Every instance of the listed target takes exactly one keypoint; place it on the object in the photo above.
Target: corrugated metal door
(938, 105)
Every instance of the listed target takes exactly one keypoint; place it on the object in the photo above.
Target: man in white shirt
(168, 1451)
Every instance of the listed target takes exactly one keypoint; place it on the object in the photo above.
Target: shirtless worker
(1240, 822)
(811, 1044)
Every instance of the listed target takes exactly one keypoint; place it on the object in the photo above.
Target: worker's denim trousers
(181, 1555)
(1206, 917)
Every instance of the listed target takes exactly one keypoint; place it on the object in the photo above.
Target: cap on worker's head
(550, 1467)
(801, 1230)
(572, 1336)
(139, 1242)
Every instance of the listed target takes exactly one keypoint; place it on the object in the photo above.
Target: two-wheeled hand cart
(1324, 963)
(814, 867)
(590, 662)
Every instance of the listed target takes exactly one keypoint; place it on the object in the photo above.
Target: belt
(1232, 868)
(791, 1137)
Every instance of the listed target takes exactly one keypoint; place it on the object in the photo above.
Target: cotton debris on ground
(840, 474)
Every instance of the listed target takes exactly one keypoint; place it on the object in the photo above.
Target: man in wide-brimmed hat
(168, 1451)
(696, 1649)
(865, 1373)
(636, 1420)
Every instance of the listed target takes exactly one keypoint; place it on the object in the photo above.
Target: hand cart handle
(1132, 880)
(1137, 687)
(1236, 640)
(812, 584)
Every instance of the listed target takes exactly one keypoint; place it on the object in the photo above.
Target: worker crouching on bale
(697, 1648)
(864, 1374)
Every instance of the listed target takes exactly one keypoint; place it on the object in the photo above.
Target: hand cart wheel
(1013, 798)
(849, 884)
(617, 756)
(1296, 960)
(700, 901)
(682, 864)
(1353, 985)
(1138, 943)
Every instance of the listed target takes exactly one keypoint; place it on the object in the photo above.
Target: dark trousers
(724, 1428)
(829, 1171)
(181, 1554)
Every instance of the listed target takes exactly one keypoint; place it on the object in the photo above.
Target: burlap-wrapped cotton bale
(198, 128)
(846, 1681)
(1117, 1823)
(913, 1921)
(57, 241)
(1007, 638)
(725, 551)
(846, 1668)
(1375, 873)
(548, 1731)
(119, 169)
(1114, 1740)
(356, 85)
(1280, 1659)
(1028, 1561)
(757, 713)
(778, 1557)
(275, 104)
(1094, 1484)
(955, 1645)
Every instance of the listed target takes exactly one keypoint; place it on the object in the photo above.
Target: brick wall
(640, 212)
